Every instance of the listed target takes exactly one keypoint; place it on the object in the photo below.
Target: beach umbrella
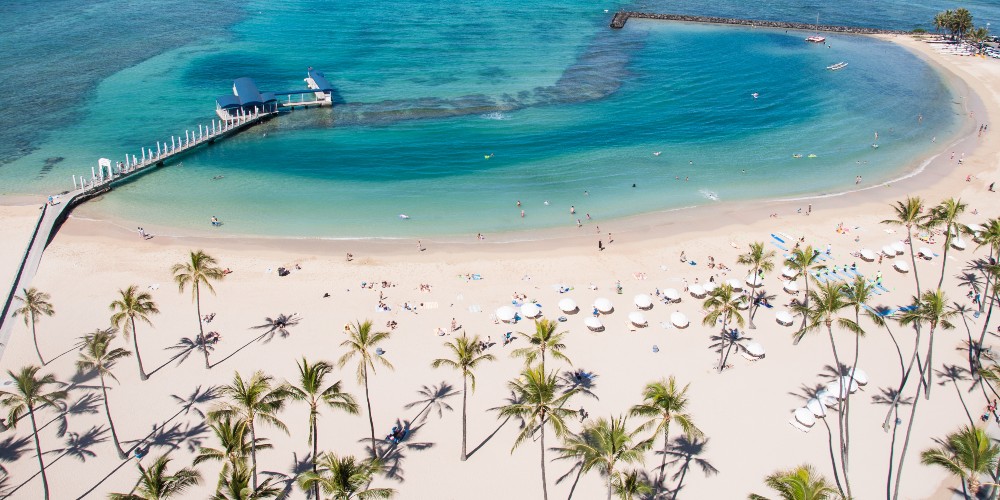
(505, 314)
(816, 407)
(975, 228)
(901, 266)
(593, 324)
(958, 244)
(867, 254)
(679, 320)
(637, 318)
(754, 349)
(672, 295)
(926, 252)
(530, 310)
(860, 376)
(783, 318)
(888, 251)
(805, 417)
(710, 286)
(567, 305)
(735, 283)
(898, 247)
(850, 383)
(643, 301)
(697, 291)
(604, 305)
(826, 397)
(791, 287)
(789, 272)
(755, 280)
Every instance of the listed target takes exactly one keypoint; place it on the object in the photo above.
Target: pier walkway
(53, 213)
(622, 17)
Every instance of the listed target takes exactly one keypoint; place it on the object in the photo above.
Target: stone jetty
(621, 17)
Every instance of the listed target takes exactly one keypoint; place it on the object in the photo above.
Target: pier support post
(172, 143)
(74, 183)
(133, 159)
(93, 174)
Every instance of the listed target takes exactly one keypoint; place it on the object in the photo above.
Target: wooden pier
(622, 17)
(54, 213)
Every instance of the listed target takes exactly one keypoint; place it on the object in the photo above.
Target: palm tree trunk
(35, 338)
(663, 459)
(135, 342)
(752, 308)
(722, 349)
(986, 289)
(465, 393)
(928, 370)
(847, 399)
(805, 302)
(989, 312)
(368, 399)
(913, 257)
(38, 450)
(944, 257)
(201, 337)
(253, 450)
(906, 440)
(545, 487)
(609, 485)
(111, 422)
(840, 414)
(315, 439)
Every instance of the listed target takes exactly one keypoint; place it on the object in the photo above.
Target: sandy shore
(744, 411)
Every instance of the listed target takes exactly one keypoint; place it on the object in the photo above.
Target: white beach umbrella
(643, 301)
(735, 283)
(899, 247)
(958, 244)
(816, 407)
(850, 383)
(697, 291)
(604, 305)
(888, 251)
(784, 318)
(530, 310)
(637, 318)
(672, 295)
(901, 266)
(867, 254)
(791, 287)
(860, 376)
(805, 417)
(593, 323)
(679, 320)
(975, 228)
(926, 252)
(789, 272)
(754, 349)
(567, 305)
(710, 286)
(826, 397)
(755, 280)
(505, 313)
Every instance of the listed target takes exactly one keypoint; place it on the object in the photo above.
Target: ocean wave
(496, 115)
(712, 195)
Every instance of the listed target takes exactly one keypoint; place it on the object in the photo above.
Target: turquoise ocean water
(426, 89)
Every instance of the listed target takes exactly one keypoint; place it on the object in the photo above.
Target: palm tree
(28, 393)
(34, 305)
(465, 355)
(968, 454)
(544, 340)
(857, 293)
(311, 390)
(933, 310)
(825, 303)
(802, 260)
(234, 441)
(130, 305)
(602, 445)
(630, 484)
(344, 478)
(941, 21)
(664, 402)
(723, 304)
(362, 342)
(199, 270)
(961, 22)
(255, 400)
(800, 483)
(539, 402)
(97, 355)
(909, 214)
(760, 260)
(944, 216)
(156, 484)
(234, 484)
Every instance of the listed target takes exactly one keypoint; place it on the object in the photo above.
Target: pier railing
(621, 17)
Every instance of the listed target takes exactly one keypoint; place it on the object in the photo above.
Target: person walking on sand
(600, 246)
(420, 246)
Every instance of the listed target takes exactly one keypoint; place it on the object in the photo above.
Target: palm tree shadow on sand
(288, 479)
(77, 446)
(393, 454)
(278, 325)
(432, 398)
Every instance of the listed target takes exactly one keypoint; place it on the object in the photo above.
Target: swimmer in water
(217, 177)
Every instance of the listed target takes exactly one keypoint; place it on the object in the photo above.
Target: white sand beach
(744, 411)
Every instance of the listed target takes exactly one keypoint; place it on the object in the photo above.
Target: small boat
(796, 156)
(657, 153)
(838, 66)
(811, 156)
(404, 216)
(755, 95)
(875, 146)
(816, 39)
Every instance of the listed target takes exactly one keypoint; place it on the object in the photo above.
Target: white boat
(816, 39)
(838, 66)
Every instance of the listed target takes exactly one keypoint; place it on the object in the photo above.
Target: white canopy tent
(506, 314)
(531, 310)
(604, 305)
(637, 318)
(697, 291)
(867, 254)
(679, 320)
(643, 301)
(901, 266)
(927, 253)
(593, 324)
(754, 349)
(672, 295)
(783, 318)
(568, 305)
